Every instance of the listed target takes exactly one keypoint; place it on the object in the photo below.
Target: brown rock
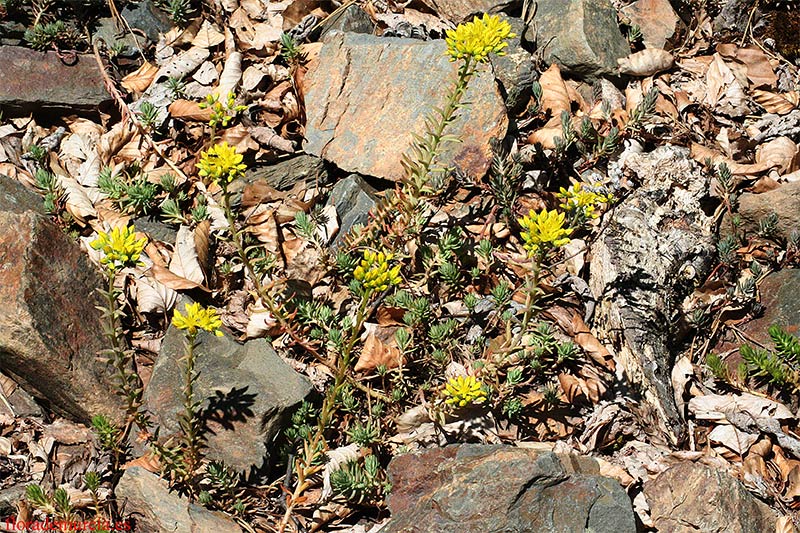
(366, 96)
(783, 201)
(32, 81)
(657, 20)
(694, 497)
(459, 10)
(50, 330)
(492, 489)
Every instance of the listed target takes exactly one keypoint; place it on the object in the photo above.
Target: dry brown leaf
(784, 524)
(141, 79)
(202, 245)
(726, 88)
(184, 262)
(756, 62)
(208, 36)
(78, 203)
(555, 96)
(702, 153)
(173, 281)
(646, 63)
(780, 153)
(183, 64)
(780, 103)
(572, 387)
(376, 352)
(230, 76)
(151, 296)
(572, 323)
(148, 461)
(390, 316)
(188, 110)
(267, 137)
(545, 137)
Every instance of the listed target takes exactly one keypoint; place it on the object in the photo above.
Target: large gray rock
(50, 330)
(582, 36)
(36, 81)
(248, 392)
(362, 118)
(657, 245)
(695, 497)
(500, 489)
(148, 503)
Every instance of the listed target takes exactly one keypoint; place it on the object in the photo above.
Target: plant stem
(128, 382)
(192, 438)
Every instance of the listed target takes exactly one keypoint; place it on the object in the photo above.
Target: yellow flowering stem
(419, 170)
(129, 385)
(190, 421)
(532, 291)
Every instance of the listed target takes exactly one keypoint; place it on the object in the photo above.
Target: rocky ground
(642, 376)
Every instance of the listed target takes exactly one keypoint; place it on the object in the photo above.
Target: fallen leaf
(184, 261)
(780, 104)
(376, 352)
(646, 63)
(555, 97)
(188, 110)
(140, 80)
(208, 36)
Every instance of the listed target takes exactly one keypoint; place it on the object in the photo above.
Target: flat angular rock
(248, 392)
(474, 488)
(695, 497)
(582, 36)
(353, 199)
(365, 97)
(35, 81)
(150, 506)
(657, 245)
(515, 70)
(783, 201)
(50, 330)
(657, 20)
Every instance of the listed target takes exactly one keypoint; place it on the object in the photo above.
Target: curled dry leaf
(188, 110)
(780, 104)
(733, 439)
(208, 36)
(646, 63)
(202, 245)
(780, 153)
(148, 461)
(337, 458)
(168, 278)
(152, 296)
(231, 75)
(555, 96)
(183, 64)
(141, 79)
(376, 352)
(267, 138)
(785, 525)
(184, 261)
(78, 203)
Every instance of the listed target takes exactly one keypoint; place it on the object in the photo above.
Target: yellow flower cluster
(221, 164)
(579, 198)
(221, 114)
(543, 230)
(196, 318)
(462, 391)
(120, 247)
(373, 271)
(479, 38)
